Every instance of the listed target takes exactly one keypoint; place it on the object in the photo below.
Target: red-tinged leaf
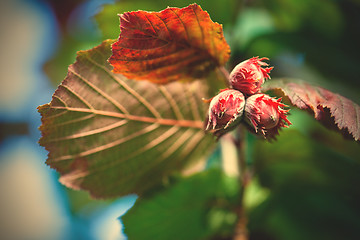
(112, 136)
(328, 107)
(170, 45)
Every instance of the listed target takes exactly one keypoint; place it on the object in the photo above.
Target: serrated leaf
(112, 136)
(170, 45)
(344, 113)
(198, 207)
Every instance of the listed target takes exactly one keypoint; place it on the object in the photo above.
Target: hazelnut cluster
(263, 115)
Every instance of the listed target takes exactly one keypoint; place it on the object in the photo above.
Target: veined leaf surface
(112, 136)
(344, 113)
(170, 45)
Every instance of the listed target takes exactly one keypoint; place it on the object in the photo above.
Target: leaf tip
(43, 107)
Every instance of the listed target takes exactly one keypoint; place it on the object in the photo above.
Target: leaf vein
(160, 56)
(142, 100)
(62, 101)
(201, 29)
(156, 14)
(77, 95)
(192, 144)
(178, 143)
(161, 121)
(172, 149)
(103, 94)
(91, 132)
(115, 143)
(146, 49)
(154, 143)
(193, 106)
(63, 123)
(186, 31)
(183, 63)
(171, 102)
(147, 18)
(146, 33)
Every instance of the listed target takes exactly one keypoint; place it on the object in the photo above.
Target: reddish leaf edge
(219, 64)
(323, 111)
(219, 25)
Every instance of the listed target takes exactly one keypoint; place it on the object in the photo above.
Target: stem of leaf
(225, 73)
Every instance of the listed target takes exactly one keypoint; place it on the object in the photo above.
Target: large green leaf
(112, 136)
(199, 207)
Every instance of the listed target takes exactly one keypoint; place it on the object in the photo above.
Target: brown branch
(241, 231)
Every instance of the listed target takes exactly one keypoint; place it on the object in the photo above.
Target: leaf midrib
(162, 121)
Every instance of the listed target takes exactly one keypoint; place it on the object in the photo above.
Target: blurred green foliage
(313, 190)
(197, 207)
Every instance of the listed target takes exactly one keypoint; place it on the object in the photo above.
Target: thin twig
(225, 72)
(241, 232)
(223, 75)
